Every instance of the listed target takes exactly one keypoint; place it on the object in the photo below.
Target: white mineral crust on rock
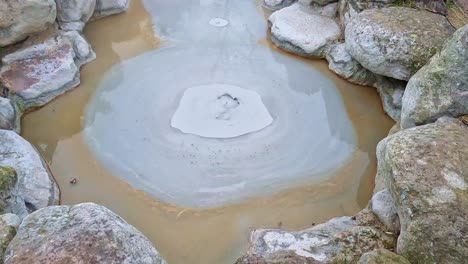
(220, 111)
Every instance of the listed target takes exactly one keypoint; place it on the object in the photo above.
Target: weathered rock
(278, 4)
(440, 87)
(8, 225)
(21, 18)
(426, 171)
(396, 41)
(278, 257)
(35, 187)
(110, 7)
(73, 14)
(383, 206)
(83, 233)
(382, 256)
(347, 9)
(37, 74)
(340, 239)
(435, 6)
(390, 90)
(319, 2)
(303, 30)
(9, 115)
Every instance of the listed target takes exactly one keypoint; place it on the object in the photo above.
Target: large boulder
(83, 233)
(340, 240)
(9, 115)
(110, 7)
(8, 225)
(426, 171)
(396, 41)
(27, 182)
(390, 90)
(38, 73)
(440, 87)
(21, 18)
(382, 256)
(304, 30)
(74, 13)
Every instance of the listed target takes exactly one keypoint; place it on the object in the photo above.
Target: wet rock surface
(390, 90)
(302, 30)
(74, 13)
(28, 182)
(440, 87)
(21, 18)
(426, 171)
(83, 233)
(39, 73)
(340, 240)
(9, 115)
(396, 41)
(110, 7)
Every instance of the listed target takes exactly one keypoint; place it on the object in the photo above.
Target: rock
(302, 30)
(279, 257)
(426, 172)
(435, 6)
(21, 18)
(35, 187)
(340, 239)
(347, 9)
(8, 225)
(278, 4)
(440, 87)
(74, 12)
(382, 256)
(396, 41)
(110, 7)
(38, 73)
(10, 117)
(383, 207)
(83, 233)
(390, 90)
(321, 2)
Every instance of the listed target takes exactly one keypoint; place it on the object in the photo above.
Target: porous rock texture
(38, 73)
(83, 233)
(441, 86)
(426, 172)
(340, 240)
(73, 14)
(8, 225)
(390, 90)
(110, 7)
(27, 183)
(382, 256)
(396, 41)
(21, 18)
(303, 30)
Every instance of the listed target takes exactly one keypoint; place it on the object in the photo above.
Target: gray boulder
(10, 116)
(396, 41)
(278, 4)
(340, 239)
(441, 86)
(8, 225)
(73, 14)
(83, 233)
(30, 183)
(38, 73)
(303, 30)
(382, 256)
(383, 206)
(21, 18)
(390, 90)
(426, 172)
(110, 7)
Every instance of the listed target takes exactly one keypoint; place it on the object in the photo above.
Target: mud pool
(196, 196)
